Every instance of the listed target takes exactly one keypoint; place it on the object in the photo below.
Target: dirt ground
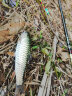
(43, 29)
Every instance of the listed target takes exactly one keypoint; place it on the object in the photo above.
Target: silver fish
(21, 55)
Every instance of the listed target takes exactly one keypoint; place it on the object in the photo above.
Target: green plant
(65, 92)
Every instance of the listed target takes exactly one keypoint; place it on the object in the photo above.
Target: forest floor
(46, 34)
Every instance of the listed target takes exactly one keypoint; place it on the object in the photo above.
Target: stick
(43, 83)
(54, 54)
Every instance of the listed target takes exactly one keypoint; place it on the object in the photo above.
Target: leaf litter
(30, 16)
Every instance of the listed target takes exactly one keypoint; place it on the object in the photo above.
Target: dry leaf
(64, 55)
(68, 71)
(10, 53)
(13, 75)
(11, 28)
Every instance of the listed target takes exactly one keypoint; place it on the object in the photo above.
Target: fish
(21, 57)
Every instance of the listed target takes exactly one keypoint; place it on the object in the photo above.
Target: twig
(5, 93)
(49, 83)
(8, 74)
(60, 69)
(43, 83)
(7, 18)
(6, 49)
(31, 83)
(12, 43)
(9, 86)
(8, 46)
(54, 54)
(61, 86)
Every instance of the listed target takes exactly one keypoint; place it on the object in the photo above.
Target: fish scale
(21, 54)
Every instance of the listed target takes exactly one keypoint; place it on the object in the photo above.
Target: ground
(43, 29)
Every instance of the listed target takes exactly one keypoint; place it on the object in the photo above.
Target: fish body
(21, 55)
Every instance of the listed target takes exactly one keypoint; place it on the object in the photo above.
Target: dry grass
(36, 23)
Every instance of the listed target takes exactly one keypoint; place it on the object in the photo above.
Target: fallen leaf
(47, 67)
(68, 71)
(64, 55)
(10, 53)
(11, 28)
(34, 47)
(13, 75)
(45, 51)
